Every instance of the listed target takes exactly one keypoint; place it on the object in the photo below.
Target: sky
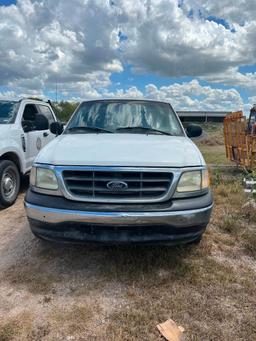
(197, 55)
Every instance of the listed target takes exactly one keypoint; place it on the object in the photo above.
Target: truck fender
(10, 151)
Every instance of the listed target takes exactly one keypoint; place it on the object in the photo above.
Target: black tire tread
(3, 165)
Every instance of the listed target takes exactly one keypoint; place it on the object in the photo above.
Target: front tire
(9, 182)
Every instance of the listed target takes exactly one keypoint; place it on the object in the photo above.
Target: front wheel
(9, 182)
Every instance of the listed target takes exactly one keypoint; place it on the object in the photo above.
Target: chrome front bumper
(177, 222)
(177, 219)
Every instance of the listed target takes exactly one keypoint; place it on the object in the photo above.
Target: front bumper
(159, 225)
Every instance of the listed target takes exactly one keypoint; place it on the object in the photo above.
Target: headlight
(32, 178)
(205, 179)
(43, 178)
(193, 181)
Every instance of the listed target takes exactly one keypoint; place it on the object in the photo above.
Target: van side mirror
(41, 122)
(56, 128)
(194, 130)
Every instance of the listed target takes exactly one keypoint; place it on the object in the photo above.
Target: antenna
(56, 92)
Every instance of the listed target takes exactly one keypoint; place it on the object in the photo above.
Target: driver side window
(29, 118)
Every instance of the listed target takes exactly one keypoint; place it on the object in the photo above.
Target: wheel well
(11, 157)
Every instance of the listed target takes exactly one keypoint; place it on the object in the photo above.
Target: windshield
(8, 111)
(125, 116)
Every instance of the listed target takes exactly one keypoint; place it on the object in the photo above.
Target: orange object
(240, 141)
(170, 330)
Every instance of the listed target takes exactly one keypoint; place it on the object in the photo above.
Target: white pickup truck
(24, 130)
(122, 171)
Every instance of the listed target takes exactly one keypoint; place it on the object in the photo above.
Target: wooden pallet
(240, 144)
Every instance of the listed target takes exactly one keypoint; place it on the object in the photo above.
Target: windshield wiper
(97, 129)
(144, 128)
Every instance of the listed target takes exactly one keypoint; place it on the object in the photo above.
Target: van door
(33, 138)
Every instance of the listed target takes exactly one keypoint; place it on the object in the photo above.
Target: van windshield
(8, 111)
(125, 116)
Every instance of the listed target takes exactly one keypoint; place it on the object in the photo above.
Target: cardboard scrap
(170, 330)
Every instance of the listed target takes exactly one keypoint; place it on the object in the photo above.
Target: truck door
(33, 138)
(46, 111)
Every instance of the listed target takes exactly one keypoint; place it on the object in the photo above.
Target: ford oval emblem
(117, 185)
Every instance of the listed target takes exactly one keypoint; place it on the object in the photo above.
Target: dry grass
(215, 155)
(214, 134)
(239, 220)
(205, 314)
(16, 327)
(212, 146)
(74, 319)
(209, 297)
(31, 276)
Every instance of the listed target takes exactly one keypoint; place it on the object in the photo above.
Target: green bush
(64, 110)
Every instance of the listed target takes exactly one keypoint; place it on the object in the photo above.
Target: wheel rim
(9, 184)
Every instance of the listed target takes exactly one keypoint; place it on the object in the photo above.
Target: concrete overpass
(202, 116)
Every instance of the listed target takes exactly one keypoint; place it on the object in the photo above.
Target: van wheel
(9, 182)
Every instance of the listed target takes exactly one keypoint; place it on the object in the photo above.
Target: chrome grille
(96, 185)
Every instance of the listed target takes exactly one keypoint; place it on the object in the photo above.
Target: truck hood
(121, 150)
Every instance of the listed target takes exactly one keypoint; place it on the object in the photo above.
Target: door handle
(45, 134)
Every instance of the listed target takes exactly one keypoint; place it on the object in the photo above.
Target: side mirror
(56, 128)
(41, 122)
(194, 130)
(27, 127)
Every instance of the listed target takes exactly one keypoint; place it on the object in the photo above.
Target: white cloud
(13, 95)
(252, 100)
(57, 41)
(132, 92)
(76, 44)
(193, 96)
(7, 95)
(187, 96)
(234, 78)
(239, 11)
(166, 41)
(183, 96)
